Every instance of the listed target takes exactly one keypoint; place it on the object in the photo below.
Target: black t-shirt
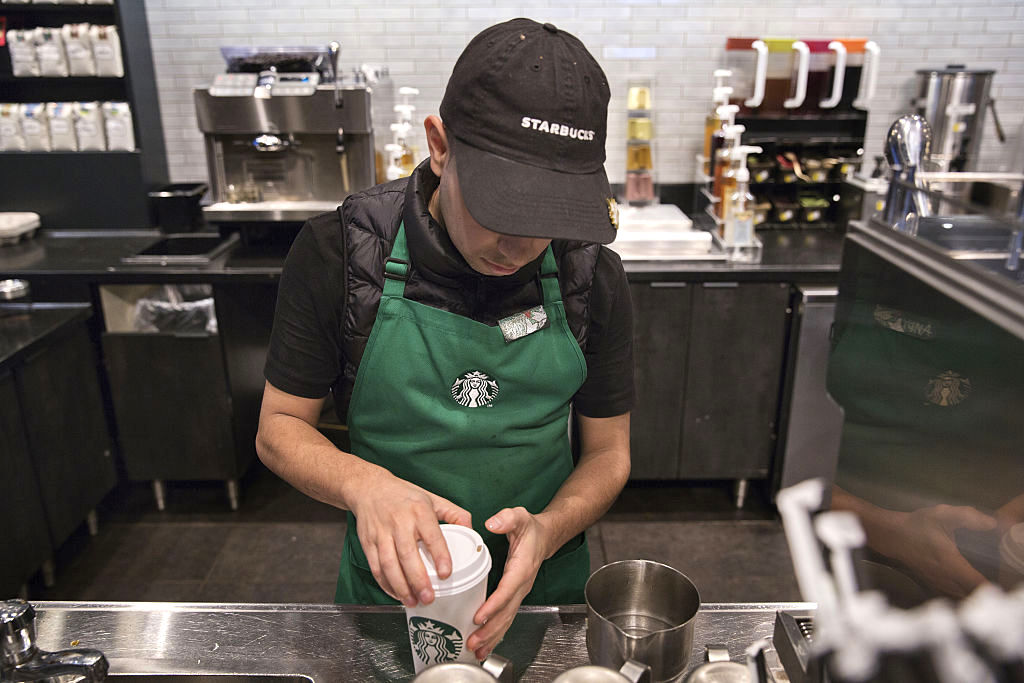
(306, 355)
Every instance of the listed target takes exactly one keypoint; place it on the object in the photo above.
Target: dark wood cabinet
(737, 349)
(62, 409)
(709, 361)
(25, 542)
(661, 337)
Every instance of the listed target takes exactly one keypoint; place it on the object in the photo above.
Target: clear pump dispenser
(738, 238)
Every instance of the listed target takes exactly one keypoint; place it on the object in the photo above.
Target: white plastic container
(89, 128)
(11, 139)
(22, 46)
(62, 126)
(117, 122)
(106, 50)
(658, 232)
(78, 46)
(15, 225)
(35, 127)
(53, 60)
(438, 632)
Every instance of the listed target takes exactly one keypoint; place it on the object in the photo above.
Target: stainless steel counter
(329, 643)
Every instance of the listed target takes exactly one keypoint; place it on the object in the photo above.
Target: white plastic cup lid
(1011, 549)
(471, 561)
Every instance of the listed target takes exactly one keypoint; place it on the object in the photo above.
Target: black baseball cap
(528, 105)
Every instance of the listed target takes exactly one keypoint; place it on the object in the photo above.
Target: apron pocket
(561, 579)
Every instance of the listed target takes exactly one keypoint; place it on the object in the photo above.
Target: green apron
(444, 402)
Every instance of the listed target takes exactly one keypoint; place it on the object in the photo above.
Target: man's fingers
(373, 560)
(408, 552)
(434, 541)
(506, 520)
(391, 569)
(965, 517)
(449, 512)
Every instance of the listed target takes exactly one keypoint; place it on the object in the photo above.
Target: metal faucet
(22, 660)
(907, 145)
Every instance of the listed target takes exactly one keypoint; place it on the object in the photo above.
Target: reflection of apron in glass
(931, 403)
(444, 402)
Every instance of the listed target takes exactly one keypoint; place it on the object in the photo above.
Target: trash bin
(178, 309)
(176, 207)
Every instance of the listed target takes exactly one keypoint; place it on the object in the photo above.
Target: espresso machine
(287, 135)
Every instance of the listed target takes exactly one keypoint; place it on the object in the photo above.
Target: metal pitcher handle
(636, 672)
(499, 667)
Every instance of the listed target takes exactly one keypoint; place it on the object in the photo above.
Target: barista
(455, 315)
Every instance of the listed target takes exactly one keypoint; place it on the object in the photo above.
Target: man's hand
(392, 515)
(928, 548)
(528, 548)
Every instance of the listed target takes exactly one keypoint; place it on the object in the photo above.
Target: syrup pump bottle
(713, 122)
(738, 232)
(727, 115)
(723, 180)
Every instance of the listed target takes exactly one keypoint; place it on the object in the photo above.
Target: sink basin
(209, 678)
(187, 248)
(965, 233)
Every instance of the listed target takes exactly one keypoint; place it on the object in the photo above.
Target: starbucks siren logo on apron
(434, 641)
(474, 389)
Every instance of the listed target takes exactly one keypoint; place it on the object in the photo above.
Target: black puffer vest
(439, 276)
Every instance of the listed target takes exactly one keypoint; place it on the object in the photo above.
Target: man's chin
(494, 269)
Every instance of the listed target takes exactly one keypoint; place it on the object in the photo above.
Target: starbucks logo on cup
(434, 641)
(474, 389)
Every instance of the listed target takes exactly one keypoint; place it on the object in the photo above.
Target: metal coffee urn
(954, 100)
(286, 135)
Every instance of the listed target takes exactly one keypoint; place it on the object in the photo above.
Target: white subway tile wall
(675, 43)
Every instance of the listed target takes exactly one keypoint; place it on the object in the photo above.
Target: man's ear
(437, 142)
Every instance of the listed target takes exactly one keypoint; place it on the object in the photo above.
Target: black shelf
(55, 80)
(57, 89)
(73, 155)
(55, 16)
(94, 189)
(45, 8)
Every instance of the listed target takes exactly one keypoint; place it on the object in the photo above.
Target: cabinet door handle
(721, 285)
(668, 285)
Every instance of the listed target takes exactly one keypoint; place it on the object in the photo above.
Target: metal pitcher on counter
(644, 611)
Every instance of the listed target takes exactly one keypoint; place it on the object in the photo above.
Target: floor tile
(728, 561)
(264, 553)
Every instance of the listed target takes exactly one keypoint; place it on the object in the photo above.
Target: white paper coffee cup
(438, 632)
(1011, 557)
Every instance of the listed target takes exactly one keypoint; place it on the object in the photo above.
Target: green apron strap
(396, 267)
